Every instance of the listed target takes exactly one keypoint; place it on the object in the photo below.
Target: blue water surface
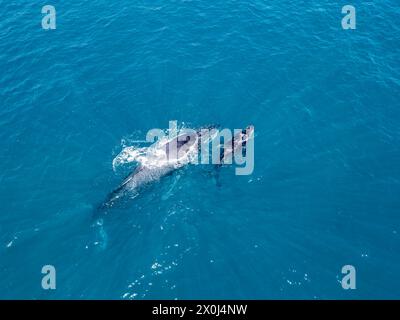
(325, 191)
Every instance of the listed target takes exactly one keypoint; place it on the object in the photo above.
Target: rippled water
(325, 189)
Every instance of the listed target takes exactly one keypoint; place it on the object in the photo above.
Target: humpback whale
(167, 155)
(162, 159)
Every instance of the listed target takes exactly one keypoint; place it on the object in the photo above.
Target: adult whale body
(161, 159)
(158, 160)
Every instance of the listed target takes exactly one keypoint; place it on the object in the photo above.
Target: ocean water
(325, 191)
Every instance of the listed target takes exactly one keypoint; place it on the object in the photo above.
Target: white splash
(156, 155)
(128, 155)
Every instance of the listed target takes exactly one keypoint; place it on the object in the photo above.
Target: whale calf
(236, 145)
